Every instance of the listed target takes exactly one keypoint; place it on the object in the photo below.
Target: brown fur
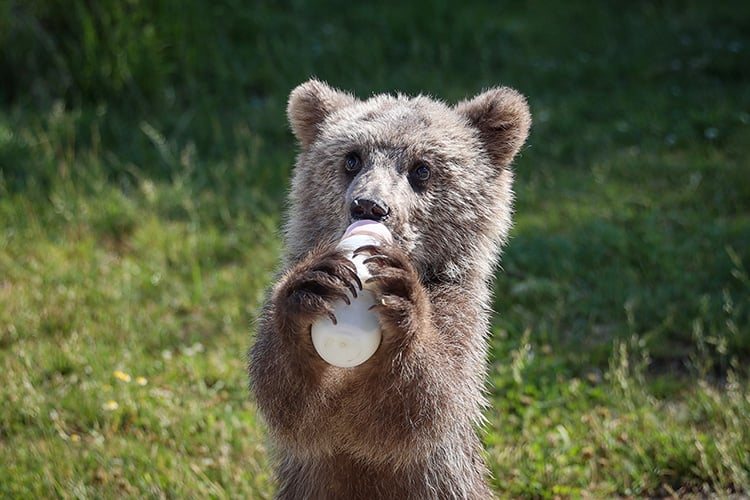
(402, 424)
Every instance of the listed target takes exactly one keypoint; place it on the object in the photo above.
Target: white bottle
(356, 335)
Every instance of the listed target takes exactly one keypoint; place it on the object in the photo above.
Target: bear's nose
(362, 208)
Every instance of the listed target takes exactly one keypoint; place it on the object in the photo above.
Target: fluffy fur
(402, 424)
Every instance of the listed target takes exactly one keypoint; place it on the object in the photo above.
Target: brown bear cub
(403, 423)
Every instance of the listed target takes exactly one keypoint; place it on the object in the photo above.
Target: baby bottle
(356, 335)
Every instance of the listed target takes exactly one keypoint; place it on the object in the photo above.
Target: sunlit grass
(122, 370)
(608, 433)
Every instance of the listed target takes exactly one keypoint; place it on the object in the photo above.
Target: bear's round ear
(503, 119)
(309, 105)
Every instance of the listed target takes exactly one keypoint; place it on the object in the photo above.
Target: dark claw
(332, 318)
(317, 288)
(378, 257)
(354, 276)
(376, 277)
(349, 265)
(351, 270)
(371, 249)
(376, 306)
(352, 289)
(359, 281)
(343, 297)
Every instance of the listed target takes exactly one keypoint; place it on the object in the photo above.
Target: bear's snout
(362, 208)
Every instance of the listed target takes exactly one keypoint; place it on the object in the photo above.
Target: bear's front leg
(294, 387)
(400, 405)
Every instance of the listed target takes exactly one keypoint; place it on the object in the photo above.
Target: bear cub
(403, 423)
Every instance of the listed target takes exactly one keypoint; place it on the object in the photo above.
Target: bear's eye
(352, 163)
(419, 175)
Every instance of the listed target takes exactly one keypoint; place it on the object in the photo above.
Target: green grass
(144, 158)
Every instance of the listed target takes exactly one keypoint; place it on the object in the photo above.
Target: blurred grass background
(144, 159)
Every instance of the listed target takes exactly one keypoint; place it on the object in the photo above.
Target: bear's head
(437, 176)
